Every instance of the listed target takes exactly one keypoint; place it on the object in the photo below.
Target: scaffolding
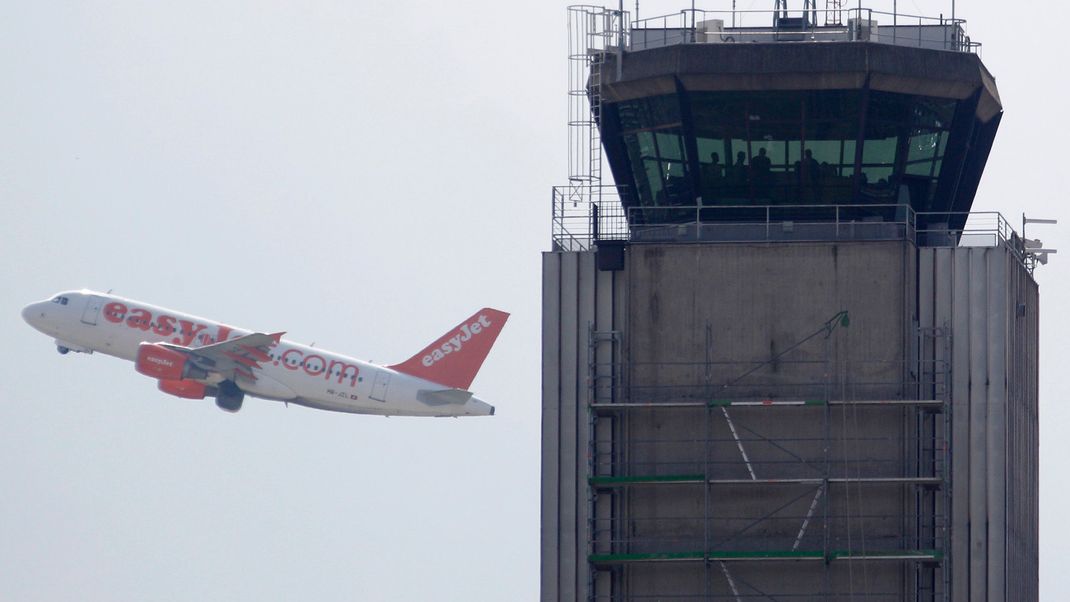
(827, 465)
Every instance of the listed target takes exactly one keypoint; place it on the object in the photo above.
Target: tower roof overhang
(801, 66)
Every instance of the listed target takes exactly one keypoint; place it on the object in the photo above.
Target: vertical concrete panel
(926, 294)
(551, 399)
(926, 318)
(604, 305)
(993, 356)
(570, 380)
(1032, 380)
(978, 333)
(1017, 573)
(960, 427)
(944, 277)
(601, 585)
(997, 287)
(943, 285)
(908, 310)
(1021, 430)
(587, 282)
(1030, 566)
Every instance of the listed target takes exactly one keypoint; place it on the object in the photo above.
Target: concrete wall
(576, 298)
(757, 301)
(990, 304)
(691, 318)
(701, 317)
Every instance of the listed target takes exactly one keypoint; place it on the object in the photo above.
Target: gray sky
(361, 176)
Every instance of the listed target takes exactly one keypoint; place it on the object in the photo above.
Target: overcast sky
(363, 176)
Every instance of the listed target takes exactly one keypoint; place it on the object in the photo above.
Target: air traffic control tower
(782, 359)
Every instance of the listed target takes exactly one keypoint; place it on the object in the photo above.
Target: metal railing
(697, 26)
(586, 215)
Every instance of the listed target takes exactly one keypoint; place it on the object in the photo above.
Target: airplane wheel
(62, 350)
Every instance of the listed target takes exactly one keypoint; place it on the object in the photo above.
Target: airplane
(195, 358)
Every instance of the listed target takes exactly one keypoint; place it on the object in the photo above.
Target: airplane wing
(234, 358)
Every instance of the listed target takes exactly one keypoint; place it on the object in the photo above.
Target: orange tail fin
(455, 358)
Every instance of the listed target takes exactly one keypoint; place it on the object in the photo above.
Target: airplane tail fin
(455, 358)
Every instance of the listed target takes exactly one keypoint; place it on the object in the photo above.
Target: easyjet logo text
(456, 342)
(315, 365)
(187, 333)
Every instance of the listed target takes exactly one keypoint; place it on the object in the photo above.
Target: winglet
(455, 358)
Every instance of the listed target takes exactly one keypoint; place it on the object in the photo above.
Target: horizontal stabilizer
(443, 396)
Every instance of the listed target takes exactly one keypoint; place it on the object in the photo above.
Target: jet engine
(229, 397)
(164, 364)
(187, 389)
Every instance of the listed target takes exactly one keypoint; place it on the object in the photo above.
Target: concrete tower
(781, 357)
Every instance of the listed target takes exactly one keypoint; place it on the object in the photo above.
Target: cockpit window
(61, 300)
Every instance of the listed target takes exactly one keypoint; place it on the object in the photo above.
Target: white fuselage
(88, 321)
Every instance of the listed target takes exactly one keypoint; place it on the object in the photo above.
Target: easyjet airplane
(196, 358)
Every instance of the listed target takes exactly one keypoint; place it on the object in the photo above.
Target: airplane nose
(33, 314)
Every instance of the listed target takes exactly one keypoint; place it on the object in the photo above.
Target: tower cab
(723, 126)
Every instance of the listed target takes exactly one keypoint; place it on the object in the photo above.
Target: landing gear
(229, 397)
(62, 350)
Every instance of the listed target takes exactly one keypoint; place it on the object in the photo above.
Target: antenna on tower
(1035, 253)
